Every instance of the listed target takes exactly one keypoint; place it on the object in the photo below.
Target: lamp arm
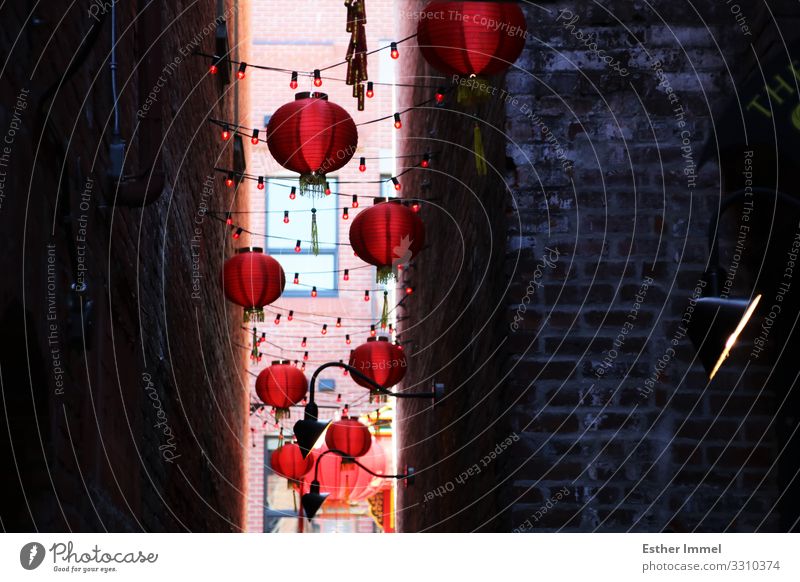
(356, 461)
(361, 376)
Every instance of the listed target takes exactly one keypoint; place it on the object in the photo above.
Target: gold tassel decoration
(312, 185)
(474, 92)
(314, 233)
(385, 312)
(356, 56)
(254, 353)
(477, 142)
(360, 96)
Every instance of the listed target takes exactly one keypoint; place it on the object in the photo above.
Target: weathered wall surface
(134, 420)
(597, 200)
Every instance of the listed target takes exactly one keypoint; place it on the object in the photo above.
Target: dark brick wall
(140, 423)
(591, 201)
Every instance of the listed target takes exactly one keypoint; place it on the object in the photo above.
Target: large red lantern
(281, 385)
(379, 360)
(252, 279)
(387, 235)
(349, 436)
(471, 38)
(347, 481)
(312, 137)
(287, 461)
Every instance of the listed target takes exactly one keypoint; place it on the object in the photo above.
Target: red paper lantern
(471, 38)
(349, 436)
(252, 279)
(287, 461)
(386, 235)
(347, 481)
(381, 361)
(312, 137)
(281, 385)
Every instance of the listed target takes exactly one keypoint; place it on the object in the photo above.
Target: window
(326, 385)
(387, 186)
(317, 270)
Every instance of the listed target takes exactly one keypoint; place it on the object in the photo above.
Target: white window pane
(313, 271)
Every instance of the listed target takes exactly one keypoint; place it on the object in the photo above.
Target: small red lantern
(386, 235)
(349, 436)
(281, 385)
(287, 461)
(312, 137)
(252, 279)
(472, 38)
(381, 361)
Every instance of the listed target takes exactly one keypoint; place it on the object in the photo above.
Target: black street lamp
(309, 430)
(718, 321)
(313, 500)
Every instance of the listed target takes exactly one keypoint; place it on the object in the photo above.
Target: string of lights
(238, 230)
(316, 74)
(233, 176)
(327, 315)
(336, 322)
(254, 133)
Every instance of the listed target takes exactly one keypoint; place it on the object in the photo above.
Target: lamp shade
(471, 38)
(381, 361)
(715, 327)
(281, 385)
(308, 433)
(386, 235)
(252, 279)
(313, 500)
(349, 436)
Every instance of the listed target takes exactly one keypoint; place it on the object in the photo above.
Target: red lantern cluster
(472, 38)
(312, 137)
(349, 436)
(252, 279)
(287, 461)
(387, 235)
(381, 361)
(281, 385)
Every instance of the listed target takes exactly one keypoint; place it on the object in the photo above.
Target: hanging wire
(310, 74)
(276, 182)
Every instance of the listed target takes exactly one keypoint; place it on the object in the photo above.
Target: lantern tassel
(254, 351)
(480, 160)
(385, 312)
(312, 185)
(475, 92)
(314, 233)
(383, 274)
(253, 314)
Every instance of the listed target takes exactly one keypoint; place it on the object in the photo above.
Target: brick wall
(592, 203)
(137, 419)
